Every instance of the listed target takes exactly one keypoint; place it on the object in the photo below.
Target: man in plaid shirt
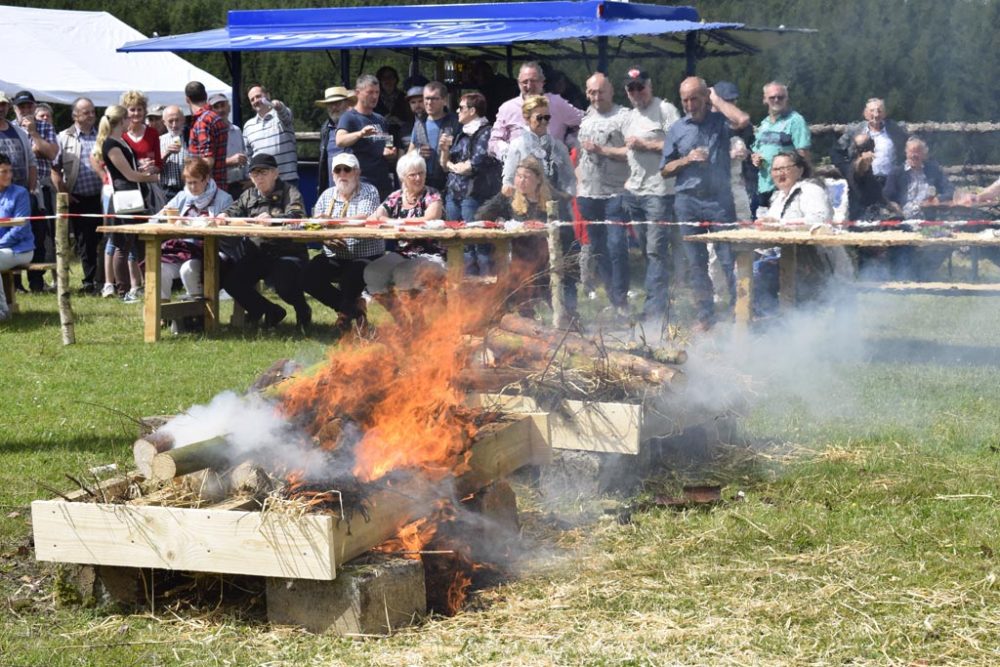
(209, 135)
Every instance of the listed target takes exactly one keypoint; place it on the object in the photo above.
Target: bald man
(601, 175)
(696, 153)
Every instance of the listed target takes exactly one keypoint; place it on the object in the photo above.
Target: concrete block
(367, 599)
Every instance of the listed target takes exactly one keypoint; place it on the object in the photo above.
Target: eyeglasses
(527, 81)
(635, 87)
(779, 170)
(462, 107)
(342, 169)
(776, 98)
(543, 117)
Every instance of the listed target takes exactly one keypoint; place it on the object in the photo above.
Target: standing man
(427, 131)
(173, 151)
(889, 139)
(782, 130)
(271, 131)
(337, 100)
(208, 136)
(45, 147)
(696, 152)
(366, 134)
(601, 175)
(509, 125)
(237, 175)
(649, 196)
(73, 174)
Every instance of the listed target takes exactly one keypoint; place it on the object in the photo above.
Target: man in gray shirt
(696, 153)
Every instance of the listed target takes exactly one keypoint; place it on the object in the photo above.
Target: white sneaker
(133, 296)
(107, 290)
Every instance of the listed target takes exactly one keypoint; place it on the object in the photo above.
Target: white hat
(346, 160)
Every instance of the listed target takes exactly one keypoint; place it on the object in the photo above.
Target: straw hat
(335, 94)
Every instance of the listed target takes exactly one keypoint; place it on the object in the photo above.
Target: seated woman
(280, 261)
(181, 258)
(343, 261)
(798, 198)
(17, 243)
(414, 264)
(529, 200)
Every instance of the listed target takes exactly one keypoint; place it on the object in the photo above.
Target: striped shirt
(364, 202)
(274, 134)
(171, 177)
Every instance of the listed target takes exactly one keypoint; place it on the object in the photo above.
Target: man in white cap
(237, 175)
(337, 100)
(343, 262)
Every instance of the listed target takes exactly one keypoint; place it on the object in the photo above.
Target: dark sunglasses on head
(342, 169)
(545, 117)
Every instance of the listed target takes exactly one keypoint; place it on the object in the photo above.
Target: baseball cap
(415, 91)
(263, 161)
(22, 96)
(636, 75)
(727, 90)
(3, 98)
(346, 160)
(155, 110)
(216, 99)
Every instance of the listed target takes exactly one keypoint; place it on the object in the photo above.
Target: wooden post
(743, 309)
(787, 269)
(559, 318)
(62, 270)
(151, 305)
(210, 270)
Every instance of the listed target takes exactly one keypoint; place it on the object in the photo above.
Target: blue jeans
(478, 256)
(690, 208)
(609, 244)
(653, 209)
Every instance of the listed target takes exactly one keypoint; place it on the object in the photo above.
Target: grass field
(867, 530)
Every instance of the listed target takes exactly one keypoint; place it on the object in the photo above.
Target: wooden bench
(8, 281)
(932, 289)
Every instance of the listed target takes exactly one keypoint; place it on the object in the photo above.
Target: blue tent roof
(546, 26)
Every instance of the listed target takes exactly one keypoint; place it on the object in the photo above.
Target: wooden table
(153, 234)
(745, 241)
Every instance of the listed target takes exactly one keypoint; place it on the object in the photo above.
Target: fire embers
(464, 546)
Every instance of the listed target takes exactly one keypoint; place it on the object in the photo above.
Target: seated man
(919, 182)
(280, 261)
(344, 261)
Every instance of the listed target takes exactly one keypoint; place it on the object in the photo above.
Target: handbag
(128, 201)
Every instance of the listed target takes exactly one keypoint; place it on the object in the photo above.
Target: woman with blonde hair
(124, 174)
(529, 200)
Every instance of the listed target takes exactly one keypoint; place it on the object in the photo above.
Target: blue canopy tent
(551, 30)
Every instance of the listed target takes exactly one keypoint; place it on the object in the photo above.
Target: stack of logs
(522, 349)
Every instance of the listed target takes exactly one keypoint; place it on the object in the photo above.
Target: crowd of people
(510, 150)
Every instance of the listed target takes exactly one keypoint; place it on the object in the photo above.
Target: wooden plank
(151, 303)
(582, 425)
(934, 289)
(264, 544)
(763, 238)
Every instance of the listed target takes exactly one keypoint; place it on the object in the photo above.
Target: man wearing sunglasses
(649, 196)
(509, 125)
(781, 131)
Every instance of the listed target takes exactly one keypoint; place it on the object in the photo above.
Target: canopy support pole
(602, 55)
(690, 52)
(235, 61)
(345, 69)
(414, 63)
(510, 61)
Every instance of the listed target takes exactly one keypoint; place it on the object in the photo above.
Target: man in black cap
(280, 262)
(45, 148)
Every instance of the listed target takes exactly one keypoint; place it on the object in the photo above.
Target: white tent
(60, 55)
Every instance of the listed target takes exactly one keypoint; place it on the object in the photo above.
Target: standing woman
(473, 174)
(17, 243)
(124, 174)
